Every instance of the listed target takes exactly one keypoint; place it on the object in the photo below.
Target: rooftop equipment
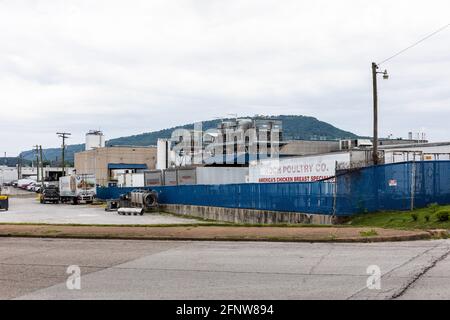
(94, 139)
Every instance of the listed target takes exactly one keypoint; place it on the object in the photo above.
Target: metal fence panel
(293, 197)
(398, 186)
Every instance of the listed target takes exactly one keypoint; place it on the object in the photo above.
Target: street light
(375, 108)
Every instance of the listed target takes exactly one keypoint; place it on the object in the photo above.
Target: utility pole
(375, 113)
(42, 165)
(19, 167)
(64, 136)
(37, 161)
(375, 110)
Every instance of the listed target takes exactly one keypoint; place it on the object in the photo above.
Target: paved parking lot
(126, 269)
(29, 210)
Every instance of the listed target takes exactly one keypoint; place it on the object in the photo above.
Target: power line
(416, 43)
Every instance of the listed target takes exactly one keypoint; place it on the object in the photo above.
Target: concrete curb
(343, 240)
(439, 233)
(49, 232)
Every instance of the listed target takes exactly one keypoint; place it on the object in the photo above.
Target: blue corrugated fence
(398, 186)
(386, 187)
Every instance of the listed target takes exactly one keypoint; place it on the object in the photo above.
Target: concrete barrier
(250, 216)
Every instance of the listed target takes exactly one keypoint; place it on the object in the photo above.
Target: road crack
(419, 275)
(387, 274)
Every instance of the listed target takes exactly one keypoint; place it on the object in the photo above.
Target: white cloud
(134, 66)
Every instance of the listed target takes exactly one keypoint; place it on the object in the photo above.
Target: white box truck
(77, 188)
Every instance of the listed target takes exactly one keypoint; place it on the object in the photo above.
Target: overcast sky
(128, 67)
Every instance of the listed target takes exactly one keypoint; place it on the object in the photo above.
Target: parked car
(49, 193)
(30, 186)
(37, 187)
(24, 183)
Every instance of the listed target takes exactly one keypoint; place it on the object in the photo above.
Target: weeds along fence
(399, 186)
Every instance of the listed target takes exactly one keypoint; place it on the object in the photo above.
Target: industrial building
(326, 179)
(218, 156)
(229, 144)
(10, 174)
(106, 163)
(309, 168)
(352, 155)
(240, 141)
(421, 151)
(7, 174)
(245, 137)
(109, 162)
(257, 147)
(184, 176)
(307, 147)
(240, 151)
(203, 175)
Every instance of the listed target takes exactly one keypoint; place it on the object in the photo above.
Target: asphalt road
(29, 210)
(117, 269)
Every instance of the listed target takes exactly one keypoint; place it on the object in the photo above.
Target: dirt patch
(294, 234)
